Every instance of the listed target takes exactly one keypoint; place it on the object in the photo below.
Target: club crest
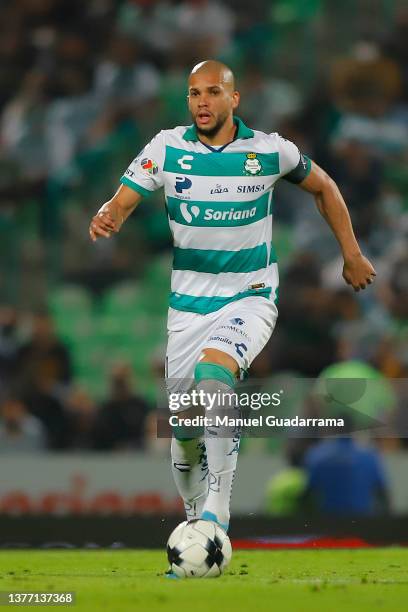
(252, 165)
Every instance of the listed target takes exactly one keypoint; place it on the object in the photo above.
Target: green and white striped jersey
(219, 205)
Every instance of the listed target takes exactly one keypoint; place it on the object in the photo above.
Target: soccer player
(218, 177)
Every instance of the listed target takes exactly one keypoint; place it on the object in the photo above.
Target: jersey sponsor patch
(149, 166)
(182, 183)
(216, 214)
(250, 188)
(189, 212)
(219, 189)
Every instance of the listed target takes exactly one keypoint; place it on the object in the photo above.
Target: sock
(222, 443)
(190, 473)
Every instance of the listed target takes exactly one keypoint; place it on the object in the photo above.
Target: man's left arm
(357, 270)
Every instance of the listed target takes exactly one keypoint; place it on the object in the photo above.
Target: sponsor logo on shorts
(235, 329)
(237, 321)
(221, 339)
(239, 347)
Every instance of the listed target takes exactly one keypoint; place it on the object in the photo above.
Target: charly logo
(219, 189)
(182, 162)
(252, 165)
(237, 321)
(188, 211)
(182, 183)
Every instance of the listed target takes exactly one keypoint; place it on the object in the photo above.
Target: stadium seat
(71, 308)
(70, 299)
(123, 297)
(158, 272)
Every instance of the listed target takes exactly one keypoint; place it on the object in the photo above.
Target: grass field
(310, 580)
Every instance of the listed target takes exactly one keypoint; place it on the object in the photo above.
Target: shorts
(241, 329)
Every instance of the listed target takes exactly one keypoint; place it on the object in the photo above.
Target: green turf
(310, 580)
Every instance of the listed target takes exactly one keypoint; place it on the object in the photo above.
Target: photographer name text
(258, 421)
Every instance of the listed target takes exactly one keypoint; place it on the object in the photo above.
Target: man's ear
(235, 99)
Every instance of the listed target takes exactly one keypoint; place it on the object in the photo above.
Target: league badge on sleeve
(252, 165)
(149, 166)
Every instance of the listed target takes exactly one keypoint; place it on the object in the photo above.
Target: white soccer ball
(198, 549)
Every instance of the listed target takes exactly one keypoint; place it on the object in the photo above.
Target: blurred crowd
(42, 407)
(83, 86)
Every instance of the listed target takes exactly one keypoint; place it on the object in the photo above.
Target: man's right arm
(114, 212)
(143, 177)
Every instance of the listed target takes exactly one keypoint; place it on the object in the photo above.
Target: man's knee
(215, 383)
(214, 373)
(218, 357)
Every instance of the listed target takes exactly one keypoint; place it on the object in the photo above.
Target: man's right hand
(103, 224)
(109, 219)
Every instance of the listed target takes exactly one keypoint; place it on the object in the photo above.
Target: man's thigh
(243, 329)
(186, 333)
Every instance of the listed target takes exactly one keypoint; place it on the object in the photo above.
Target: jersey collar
(242, 132)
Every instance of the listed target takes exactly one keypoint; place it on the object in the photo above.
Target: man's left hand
(358, 272)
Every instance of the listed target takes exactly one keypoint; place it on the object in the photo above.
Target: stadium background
(82, 88)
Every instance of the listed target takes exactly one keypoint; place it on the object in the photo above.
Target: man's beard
(211, 132)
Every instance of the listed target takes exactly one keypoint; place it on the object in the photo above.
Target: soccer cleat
(170, 574)
(210, 516)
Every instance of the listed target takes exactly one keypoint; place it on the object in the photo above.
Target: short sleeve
(294, 165)
(145, 173)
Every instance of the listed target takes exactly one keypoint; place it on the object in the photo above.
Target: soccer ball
(198, 549)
